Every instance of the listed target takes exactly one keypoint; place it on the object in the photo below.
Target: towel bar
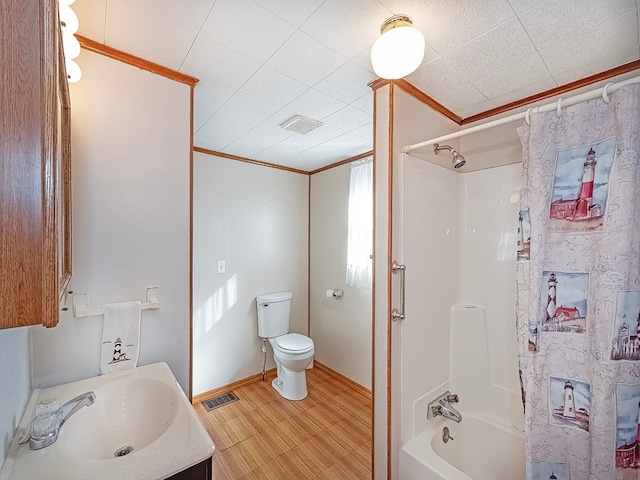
(81, 308)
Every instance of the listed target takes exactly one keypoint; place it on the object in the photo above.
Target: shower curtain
(578, 290)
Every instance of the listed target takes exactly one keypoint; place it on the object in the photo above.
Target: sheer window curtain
(360, 225)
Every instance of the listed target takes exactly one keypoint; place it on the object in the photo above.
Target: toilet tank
(274, 310)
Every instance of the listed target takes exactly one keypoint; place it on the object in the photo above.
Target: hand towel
(120, 336)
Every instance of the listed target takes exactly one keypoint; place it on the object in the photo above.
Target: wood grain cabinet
(35, 164)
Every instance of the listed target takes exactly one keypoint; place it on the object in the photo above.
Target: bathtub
(483, 448)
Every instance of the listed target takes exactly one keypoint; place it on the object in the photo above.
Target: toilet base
(294, 387)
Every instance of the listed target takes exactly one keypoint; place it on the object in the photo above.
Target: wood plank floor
(263, 436)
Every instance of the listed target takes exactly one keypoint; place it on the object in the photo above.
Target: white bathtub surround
(143, 408)
(482, 448)
(470, 375)
(579, 288)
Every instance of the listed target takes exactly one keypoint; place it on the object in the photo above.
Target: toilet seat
(294, 343)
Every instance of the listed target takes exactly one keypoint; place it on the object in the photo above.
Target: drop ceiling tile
(246, 28)
(477, 108)
(202, 114)
(274, 87)
(246, 109)
(596, 67)
(533, 88)
(315, 104)
(613, 38)
(363, 59)
(206, 57)
(520, 6)
(554, 20)
(93, 19)
(487, 52)
(293, 11)
(219, 132)
(316, 157)
(365, 131)
(460, 95)
(347, 27)
(514, 75)
(347, 119)
(365, 103)
(265, 135)
(189, 14)
(348, 83)
(351, 144)
(212, 94)
(305, 59)
(447, 25)
(317, 136)
(278, 152)
(451, 91)
(141, 33)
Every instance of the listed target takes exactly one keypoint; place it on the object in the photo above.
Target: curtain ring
(558, 110)
(605, 93)
(526, 116)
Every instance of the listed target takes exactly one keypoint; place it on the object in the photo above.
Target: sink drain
(121, 452)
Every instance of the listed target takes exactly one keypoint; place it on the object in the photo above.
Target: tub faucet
(441, 406)
(44, 434)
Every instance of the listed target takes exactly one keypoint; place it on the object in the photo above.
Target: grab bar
(401, 269)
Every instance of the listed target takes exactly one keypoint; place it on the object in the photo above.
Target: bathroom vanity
(140, 426)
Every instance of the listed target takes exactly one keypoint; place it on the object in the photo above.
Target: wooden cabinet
(35, 162)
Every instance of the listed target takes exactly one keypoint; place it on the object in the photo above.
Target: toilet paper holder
(335, 293)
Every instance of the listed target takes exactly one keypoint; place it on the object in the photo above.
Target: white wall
(341, 328)
(130, 207)
(15, 378)
(255, 218)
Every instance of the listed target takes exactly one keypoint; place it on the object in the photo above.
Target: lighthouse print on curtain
(578, 290)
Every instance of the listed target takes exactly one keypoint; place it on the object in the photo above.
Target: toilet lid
(294, 342)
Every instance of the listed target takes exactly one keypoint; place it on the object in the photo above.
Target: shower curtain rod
(557, 105)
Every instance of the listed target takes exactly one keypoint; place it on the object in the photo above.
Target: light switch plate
(221, 266)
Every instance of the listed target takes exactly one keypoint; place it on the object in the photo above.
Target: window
(360, 225)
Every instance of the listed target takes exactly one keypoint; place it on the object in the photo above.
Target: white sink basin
(128, 412)
(143, 409)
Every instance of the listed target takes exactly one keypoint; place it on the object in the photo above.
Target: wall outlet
(221, 266)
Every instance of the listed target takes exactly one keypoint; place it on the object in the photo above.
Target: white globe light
(66, 2)
(397, 52)
(69, 19)
(73, 71)
(70, 45)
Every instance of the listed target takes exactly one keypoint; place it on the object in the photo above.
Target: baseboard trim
(201, 397)
(346, 380)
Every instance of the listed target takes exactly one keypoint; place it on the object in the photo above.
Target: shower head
(458, 159)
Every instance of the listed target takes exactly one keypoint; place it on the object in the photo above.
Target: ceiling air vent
(300, 124)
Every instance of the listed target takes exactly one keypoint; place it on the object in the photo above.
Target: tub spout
(441, 406)
(447, 411)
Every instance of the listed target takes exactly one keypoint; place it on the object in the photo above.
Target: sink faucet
(40, 437)
(441, 406)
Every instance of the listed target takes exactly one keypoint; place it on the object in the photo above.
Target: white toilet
(291, 351)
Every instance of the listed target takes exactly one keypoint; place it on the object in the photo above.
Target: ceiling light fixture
(399, 50)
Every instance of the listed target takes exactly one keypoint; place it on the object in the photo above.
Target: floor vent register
(220, 401)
